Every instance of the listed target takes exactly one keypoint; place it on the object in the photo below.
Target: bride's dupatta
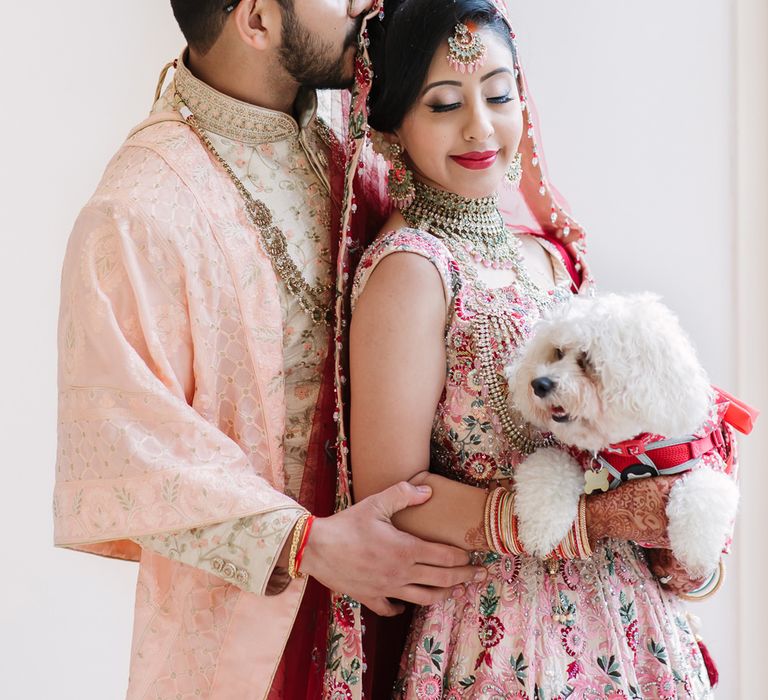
(304, 661)
(537, 208)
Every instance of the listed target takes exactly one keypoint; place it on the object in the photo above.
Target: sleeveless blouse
(629, 638)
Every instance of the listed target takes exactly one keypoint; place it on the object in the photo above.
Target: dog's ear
(649, 366)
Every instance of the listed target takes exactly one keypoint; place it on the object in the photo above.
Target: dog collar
(654, 455)
(647, 455)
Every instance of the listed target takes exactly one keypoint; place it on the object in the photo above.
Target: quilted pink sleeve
(135, 457)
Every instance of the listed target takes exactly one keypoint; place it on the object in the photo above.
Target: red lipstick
(476, 160)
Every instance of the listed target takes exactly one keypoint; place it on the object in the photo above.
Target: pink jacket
(156, 437)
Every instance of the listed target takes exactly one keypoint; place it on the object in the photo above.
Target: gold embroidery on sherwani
(239, 121)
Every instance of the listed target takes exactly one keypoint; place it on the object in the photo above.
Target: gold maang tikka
(466, 51)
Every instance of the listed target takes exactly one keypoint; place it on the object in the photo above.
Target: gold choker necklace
(476, 224)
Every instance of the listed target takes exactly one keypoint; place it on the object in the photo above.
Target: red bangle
(304, 538)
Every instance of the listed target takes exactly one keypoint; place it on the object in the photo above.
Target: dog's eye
(559, 354)
(583, 362)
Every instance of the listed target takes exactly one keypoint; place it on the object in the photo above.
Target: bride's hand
(635, 511)
(670, 573)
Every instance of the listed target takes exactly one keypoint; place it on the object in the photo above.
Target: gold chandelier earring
(399, 180)
(514, 173)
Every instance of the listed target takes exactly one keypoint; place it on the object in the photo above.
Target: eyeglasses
(231, 6)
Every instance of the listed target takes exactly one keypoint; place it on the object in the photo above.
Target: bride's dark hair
(402, 46)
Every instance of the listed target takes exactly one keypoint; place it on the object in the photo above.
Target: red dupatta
(303, 665)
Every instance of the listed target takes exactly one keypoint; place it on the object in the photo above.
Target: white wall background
(638, 106)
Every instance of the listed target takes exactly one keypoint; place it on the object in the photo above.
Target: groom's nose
(542, 386)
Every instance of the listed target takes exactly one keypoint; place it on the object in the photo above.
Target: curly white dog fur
(599, 371)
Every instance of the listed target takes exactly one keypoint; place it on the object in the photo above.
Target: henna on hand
(635, 511)
(475, 538)
(663, 564)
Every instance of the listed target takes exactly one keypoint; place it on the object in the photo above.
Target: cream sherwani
(188, 381)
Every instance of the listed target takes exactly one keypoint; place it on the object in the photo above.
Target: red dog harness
(653, 455)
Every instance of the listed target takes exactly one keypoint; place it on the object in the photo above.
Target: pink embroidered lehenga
(628, 638)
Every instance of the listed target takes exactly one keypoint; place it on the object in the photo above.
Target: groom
(195, 386)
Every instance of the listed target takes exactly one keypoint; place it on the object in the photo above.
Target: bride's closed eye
(498, 100)
(444, 107)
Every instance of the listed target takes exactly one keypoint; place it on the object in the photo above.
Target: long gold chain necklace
(487, 328)
(474, 231)
(313, 299)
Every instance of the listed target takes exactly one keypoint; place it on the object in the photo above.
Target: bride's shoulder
(397, 236)
(407, 239)
(417, 251)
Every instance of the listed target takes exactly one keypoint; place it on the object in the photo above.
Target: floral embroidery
(429, 687)
(339, 690)
(510, 568)
(491, 631)
(574, 641)
(665, 686)
(343, 613)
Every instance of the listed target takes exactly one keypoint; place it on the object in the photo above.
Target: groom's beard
(313, 62)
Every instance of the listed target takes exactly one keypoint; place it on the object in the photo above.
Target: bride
(441, 301)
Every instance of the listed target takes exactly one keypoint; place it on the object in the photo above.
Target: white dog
(615, 376)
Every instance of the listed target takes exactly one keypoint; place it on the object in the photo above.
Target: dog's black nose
(542, 386)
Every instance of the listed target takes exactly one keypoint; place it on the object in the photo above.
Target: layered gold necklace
(477, 227)
(475, 232)
(314, 299)
(476, 224)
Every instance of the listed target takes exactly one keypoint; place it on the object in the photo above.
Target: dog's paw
(701, 509)
(548, 485)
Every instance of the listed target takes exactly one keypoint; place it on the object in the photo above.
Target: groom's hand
(358, 551)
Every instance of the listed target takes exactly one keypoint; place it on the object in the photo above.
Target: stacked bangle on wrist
(575, 545)
(298, 543)
(500, 523)
(709, 588)
(502, 536)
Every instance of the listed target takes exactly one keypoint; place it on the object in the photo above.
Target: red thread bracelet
(304, 538)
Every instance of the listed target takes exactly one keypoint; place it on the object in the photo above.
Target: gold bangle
(515, 527)
(496, 525)
(506, 519)
(487, 521)
(575, 544)
(298, 530)
(493, 531)
(709, 588)
(585, 546)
